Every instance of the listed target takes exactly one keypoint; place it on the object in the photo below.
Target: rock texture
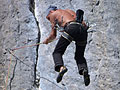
(18, 28)
(20, 22)
(102, 51)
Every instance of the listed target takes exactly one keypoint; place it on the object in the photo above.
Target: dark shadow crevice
(32, 9)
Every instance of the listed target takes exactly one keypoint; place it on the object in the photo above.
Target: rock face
(102, 51)
(19, 26)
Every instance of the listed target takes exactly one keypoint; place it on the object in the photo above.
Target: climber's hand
(45, 41)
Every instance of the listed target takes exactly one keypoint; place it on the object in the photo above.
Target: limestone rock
(20, 22)
(17, 28)
(102, 51)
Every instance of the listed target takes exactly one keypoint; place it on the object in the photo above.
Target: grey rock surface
(102, 51)
(17, 28)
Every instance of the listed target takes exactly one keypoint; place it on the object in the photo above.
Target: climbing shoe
(61, 73)
(86, 77)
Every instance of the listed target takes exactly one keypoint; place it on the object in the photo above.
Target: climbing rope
(26, 46)
(8, 71)
(11, 51)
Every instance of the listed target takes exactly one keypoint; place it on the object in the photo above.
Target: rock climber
(73, 29)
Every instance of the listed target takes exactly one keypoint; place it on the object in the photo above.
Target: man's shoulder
(64, 10)
(69, 10)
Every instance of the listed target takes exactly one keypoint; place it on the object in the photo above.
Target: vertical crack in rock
(15, 10)
(10, 84)
(32, 9)
(97, 3)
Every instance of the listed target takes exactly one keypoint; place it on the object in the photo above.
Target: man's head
(50, 8)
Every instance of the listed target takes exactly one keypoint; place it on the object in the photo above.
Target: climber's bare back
(62, 16)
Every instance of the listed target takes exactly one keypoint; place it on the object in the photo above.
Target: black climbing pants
(80, 37)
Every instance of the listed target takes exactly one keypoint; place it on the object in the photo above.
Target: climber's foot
(63, 70)
(86, 77)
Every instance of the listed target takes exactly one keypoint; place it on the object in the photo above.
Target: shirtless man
(74, 31)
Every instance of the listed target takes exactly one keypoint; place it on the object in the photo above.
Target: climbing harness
(67, 36)
(61, 29)
(64, 33)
